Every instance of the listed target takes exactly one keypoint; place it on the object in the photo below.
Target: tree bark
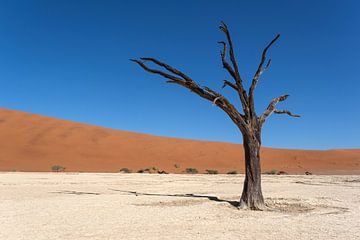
(252, 197)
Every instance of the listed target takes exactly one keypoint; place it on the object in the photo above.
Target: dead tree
(246, 120)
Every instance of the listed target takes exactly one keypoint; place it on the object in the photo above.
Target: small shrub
(282, 173)
(211, 171)
(191, 171)
(232, 172)
(271, 172)
(146, 170)
(125, 170)
(176, 165)
(57, 168)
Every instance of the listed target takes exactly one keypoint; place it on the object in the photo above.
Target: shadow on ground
(281, 205)
(76, 193)
(189, 195)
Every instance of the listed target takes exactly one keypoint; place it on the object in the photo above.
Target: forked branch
(260, 70)
(234, 70)
(227, 83)
(226, 65)
(223, 27)
(272, 109)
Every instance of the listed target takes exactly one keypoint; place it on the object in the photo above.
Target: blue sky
(69, 59)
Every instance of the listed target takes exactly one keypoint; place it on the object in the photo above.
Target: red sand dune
(30, 142)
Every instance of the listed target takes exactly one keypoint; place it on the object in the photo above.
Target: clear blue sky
(69, 59)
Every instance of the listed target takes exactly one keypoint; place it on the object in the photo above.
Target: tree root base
(257, 206)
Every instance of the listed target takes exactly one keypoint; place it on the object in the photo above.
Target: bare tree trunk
(252, 197)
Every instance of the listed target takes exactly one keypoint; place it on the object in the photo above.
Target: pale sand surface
(104, 206)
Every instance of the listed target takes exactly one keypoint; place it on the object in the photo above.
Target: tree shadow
(76, 192)
(188, 195)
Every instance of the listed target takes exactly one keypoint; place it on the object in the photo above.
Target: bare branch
(286, 112)
(263, 58)
(167, 67)
(204, 92)
(225, 29)
(217, 98)
(168, 76)
(258, 73)
(216, 94)
(227, 83)
(234, 72)
(226, 65)
(266, 67)
(271, 108)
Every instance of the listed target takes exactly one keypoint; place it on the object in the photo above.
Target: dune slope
(30, 142)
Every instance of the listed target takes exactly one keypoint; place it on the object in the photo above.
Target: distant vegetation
(146, 170)
(152, 170)
(125, 170)
(191, 170)
(57, 168)
(271, 172)
(211, 171)
(232, 172)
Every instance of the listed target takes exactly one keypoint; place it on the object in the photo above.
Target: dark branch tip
(136, 61)
(223, 24)
(282, 98)
(223, 27)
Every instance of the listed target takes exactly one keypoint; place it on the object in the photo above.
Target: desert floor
(143, 206)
